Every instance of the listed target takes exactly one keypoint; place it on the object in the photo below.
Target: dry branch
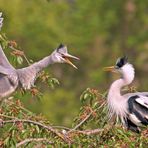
(49, 128)
(90, 132)
(83, 121)
(33, 140)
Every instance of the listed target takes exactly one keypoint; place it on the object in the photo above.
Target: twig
(77, 126)
(49, 128)
(23, 54)
(6, 116)
(33, 140)
(26, 59)
(61, 127)
(90, 132)
(85, 119)
(21, 107)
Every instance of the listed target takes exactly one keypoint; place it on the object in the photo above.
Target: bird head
(117, 68)
(60, 55)
(1, 20)
(122, 66)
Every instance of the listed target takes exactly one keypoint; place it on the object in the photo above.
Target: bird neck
(127, 77)
(40, 65)
(116, 102)
(116, 87)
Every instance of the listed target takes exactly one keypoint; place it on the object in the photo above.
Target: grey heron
(130, 108)
(11, 78)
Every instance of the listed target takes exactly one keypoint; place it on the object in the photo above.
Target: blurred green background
(97, 31)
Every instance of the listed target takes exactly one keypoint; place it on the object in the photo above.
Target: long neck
(116, 87)
(116, 103)
(40, 65)
(128, 75)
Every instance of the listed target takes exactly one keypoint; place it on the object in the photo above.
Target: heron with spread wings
(11, 78)
(131, 108)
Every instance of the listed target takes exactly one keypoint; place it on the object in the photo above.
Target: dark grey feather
(121, 62)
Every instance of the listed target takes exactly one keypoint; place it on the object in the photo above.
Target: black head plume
(61, 49)
(121, 61)
(60, 46)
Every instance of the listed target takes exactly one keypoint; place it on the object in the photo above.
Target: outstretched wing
(3, 60)
(4, 71)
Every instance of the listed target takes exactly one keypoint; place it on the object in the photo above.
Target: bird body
(131, 108)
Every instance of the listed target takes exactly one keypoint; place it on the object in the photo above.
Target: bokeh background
(97, 31)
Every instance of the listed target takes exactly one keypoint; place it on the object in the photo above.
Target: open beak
(110, 68)
(67, 58)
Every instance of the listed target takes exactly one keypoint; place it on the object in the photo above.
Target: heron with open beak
(11, 78)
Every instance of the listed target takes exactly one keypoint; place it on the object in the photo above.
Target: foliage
(100, 31)
(21, 128)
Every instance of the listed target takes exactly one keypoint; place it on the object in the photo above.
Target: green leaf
(37, 129)
(6, 141)
(19, 60)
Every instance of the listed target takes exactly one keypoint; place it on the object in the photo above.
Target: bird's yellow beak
(69, 62)
(110, 68)
(67, 58)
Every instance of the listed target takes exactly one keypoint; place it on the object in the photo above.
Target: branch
(85, 119)
(49, 128)
(33, 140)
(21, 53)
(61, 127)
(77, 126)
(90, 132)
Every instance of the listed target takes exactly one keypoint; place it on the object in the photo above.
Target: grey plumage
(11, 78)
(8, 76)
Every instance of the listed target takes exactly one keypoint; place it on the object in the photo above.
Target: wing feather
(3, 60)
(138, 109)
(143, 100)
